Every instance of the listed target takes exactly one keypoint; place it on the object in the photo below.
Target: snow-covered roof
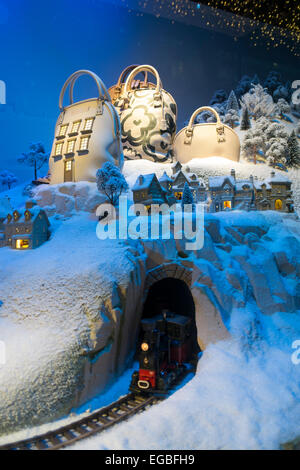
(34, 211)
(239, 184)
(164, 178)
(218, 181)
(277, 178)
(143, 182)
(258, 184)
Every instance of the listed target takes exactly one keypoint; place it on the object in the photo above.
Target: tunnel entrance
(173, 295)
(167, 348)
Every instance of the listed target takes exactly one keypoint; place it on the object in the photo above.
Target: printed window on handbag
(84, 143)
(63, 130)
(88, 124)
(58, 149)
(75, 127)
(71, 146)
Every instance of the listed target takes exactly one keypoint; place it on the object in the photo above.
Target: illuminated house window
(84, 143)
(75, 127)
(22, 244)
(69, 166)
(227, 205)
(71, 146)
(58, 148)
(88, 124)
(178, 195)
(63, 130)
(278, 204)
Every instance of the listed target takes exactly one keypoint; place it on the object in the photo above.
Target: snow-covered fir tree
(7, 178)
(35, 158)
(282, 107)
(245, 121)
(111, 182)
(267, 138)
(231, 117)
(232, 103)
(258, 102)
(187, 196)
(293, 155)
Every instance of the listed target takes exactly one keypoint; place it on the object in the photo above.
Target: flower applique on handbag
(148, 120)
(117, 91)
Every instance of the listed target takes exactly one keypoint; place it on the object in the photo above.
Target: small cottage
(180, 177)
(274, 193)
(26, 230)
(226, 193)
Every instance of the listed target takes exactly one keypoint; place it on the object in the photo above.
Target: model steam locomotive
(164, 352)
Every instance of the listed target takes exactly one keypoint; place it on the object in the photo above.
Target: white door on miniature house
(68, 176)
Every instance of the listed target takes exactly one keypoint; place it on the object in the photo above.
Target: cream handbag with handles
(87, 134)
(148, 120)
(117, 90)
(206, 140)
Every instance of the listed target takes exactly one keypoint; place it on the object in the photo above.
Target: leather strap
(127, 71)
(143, 68)
(102, 91)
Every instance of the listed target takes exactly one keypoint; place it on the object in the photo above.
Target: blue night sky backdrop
(43, 42)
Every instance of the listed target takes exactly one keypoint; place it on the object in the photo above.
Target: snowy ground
(246, 393)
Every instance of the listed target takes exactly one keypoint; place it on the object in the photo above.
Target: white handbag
(213, 139)
(148, 120)
(87, 134)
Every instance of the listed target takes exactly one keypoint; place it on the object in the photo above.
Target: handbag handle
(143, 68)
(219, 126)
(103, 93)
(127, 71)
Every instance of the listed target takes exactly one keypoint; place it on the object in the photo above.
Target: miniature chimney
(251, 178)
(141, 179)
(232, 173)
(272, 174)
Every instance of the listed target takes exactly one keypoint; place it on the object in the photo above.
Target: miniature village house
(274, 193)
(228, 193)
(25, 230)
(147, 190)
(180, 177)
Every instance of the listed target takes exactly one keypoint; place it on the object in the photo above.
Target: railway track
(95, 423)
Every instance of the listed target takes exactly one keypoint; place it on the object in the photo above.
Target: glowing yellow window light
(227, 205)
(88, 124)
(71, 145)
(63, 130)
(58, 148)
(84, 143)
(22, 244)
(75, 126)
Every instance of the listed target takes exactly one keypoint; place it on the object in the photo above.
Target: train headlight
(144, 347)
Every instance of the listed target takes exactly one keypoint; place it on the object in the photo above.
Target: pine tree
(36, 157)
(245, 122)
(7, 178)
(232, 102)
(187, 197)
(293, 158)
(111, 182)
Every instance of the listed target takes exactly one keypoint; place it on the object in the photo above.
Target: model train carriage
(163, 350)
